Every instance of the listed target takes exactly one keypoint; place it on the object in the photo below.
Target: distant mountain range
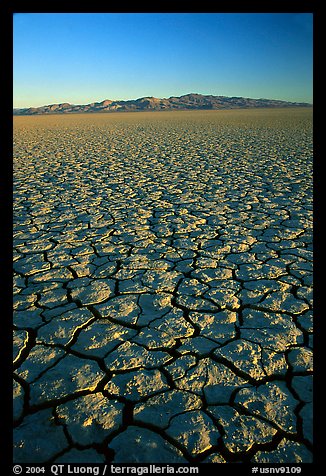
(187, 101)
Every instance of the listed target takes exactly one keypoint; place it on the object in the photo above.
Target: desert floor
(163, 287)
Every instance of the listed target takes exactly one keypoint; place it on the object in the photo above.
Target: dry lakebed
(163, 287)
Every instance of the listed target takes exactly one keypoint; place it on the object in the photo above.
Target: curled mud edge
(163, 287)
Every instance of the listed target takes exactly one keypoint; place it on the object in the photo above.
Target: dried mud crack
(163, 287)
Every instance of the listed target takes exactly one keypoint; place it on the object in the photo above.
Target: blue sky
(85, 57)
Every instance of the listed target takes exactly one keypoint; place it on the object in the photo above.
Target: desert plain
(163, 287)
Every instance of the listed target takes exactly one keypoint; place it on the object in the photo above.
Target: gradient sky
(84, 57)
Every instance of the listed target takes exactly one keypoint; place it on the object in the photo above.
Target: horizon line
(156, 97)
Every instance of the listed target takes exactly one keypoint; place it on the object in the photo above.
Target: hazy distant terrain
(188, 101)
(163, 285)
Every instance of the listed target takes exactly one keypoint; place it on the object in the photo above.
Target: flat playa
(163, 287)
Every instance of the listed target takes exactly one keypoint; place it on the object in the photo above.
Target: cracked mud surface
(163, 287)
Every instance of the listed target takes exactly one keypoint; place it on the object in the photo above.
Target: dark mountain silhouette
(187, 101)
